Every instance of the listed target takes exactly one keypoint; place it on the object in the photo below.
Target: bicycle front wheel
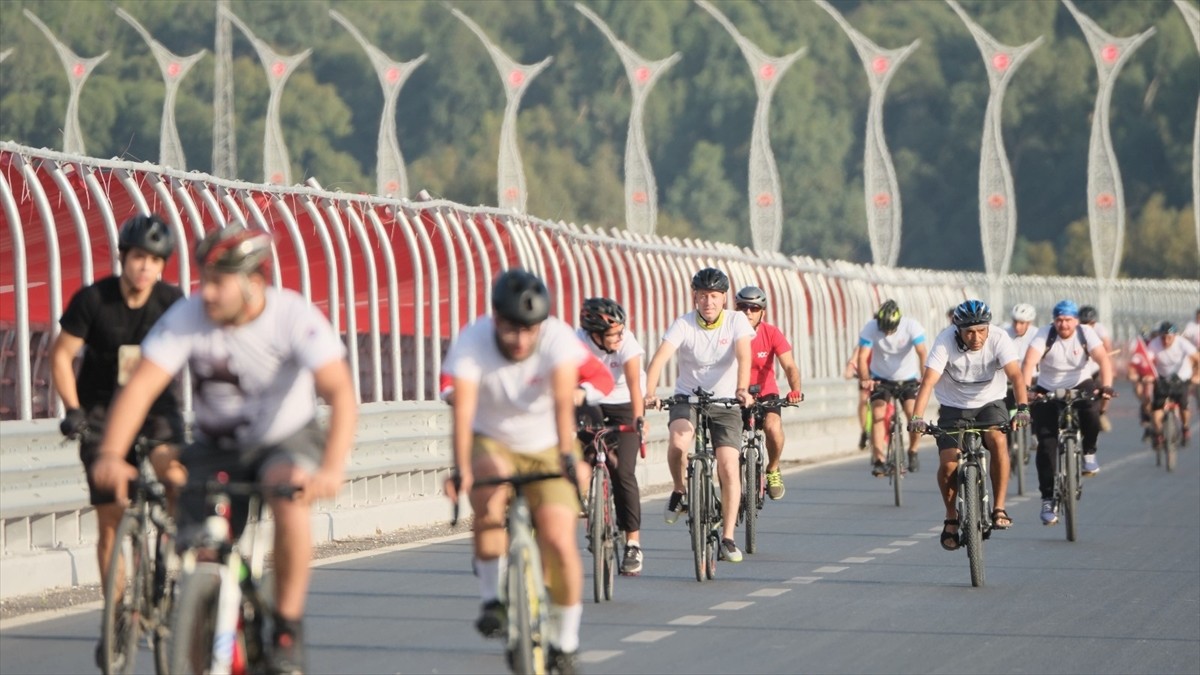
(750, 464)
(971, 521)
(524, 607)
(193, 630)
(1171, 432)
(125, 595)
(1070, 496)
(1017, 447)
(597, 503)
(697, 510)
(896, 452)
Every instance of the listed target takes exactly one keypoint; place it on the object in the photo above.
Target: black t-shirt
(98, 314)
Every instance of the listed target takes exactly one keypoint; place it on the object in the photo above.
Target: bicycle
(602, 533)
(973, 491)
(523, 592)
(1068, 471)
(704, 500)
(1019, 441)
(220, 618)
(753, 465)
(1168, 444)
(139, 602)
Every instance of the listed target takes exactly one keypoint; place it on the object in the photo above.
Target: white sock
(566, 620)
(489, 572)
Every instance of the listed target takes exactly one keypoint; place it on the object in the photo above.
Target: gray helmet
(1088, 314)
(888, 316)
(752, 295)
(235, 249)
(710, 279)
(598, 315)
(149, 233)
(521, 298)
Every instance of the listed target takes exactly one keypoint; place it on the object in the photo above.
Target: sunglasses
(749, 308)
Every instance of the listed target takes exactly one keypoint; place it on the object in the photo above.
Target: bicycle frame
(604, 537)
(1068, 485)
(704, 500)
(753, 464)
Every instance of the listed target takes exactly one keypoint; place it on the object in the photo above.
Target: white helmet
(1024, 312)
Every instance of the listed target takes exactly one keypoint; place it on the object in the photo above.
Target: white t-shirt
(1093, 368)
(516, 401)
(1022, 342)
(1173, 361)
(893, 357)
(1191, 333)
(1066, 364)
(970, 379)
(630, 349)
(707, 356)
(252, 382)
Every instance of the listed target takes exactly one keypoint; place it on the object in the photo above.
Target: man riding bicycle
(1061, 353)
(1023, 316)
(602, 330)
(1088, 316)
(891, 349)
(515, 375)
(110, 318)
(769, 344)
(714, 355)
(966, 371)
(256, 355)
(1177, 363)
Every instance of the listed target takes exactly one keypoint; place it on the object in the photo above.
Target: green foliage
(574, 116)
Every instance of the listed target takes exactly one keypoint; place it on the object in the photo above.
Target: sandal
(949, 539)
(1000, 519)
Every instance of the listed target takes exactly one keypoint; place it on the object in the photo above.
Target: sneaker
(492, 619)
(879, 469)
(914, 462)
(775, 488)
(730, 551)
(287, 651)
(631, 566)
(561, 662)
(1090, 466)
(862, 441)
(1049, 517)
(675, 506)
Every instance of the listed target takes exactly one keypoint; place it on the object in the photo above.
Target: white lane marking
(768, 592)
(691, 620)
(830, 569)
(883, 551)
(648, 636)
(933, 529)
(732, 605)
(902, 542)
(927, 535)
(1018, 500)
(857, 559)
(598, 655)
(802, 580)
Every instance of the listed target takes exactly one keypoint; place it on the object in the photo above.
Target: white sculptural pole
(510, 178)
(78, 69)
(881, 188)
(391, 180)
(4, 54)
(641, 191)
(1191, 15)
(174, 68)
(766, 207)
(277, 168)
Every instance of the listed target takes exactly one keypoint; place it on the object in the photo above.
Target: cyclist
(110, 318)
(1191, 333)
(974, 360)
(1177, 363)
(1088, 316)
(1023, 316)
(769, 344)
(714, 354)
(864, 398)
(256, 355)
(1061, 353)
(1141, 372)
(603, 331)
(891, 349)
(515, 375)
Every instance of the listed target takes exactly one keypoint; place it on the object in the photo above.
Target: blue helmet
(971, 313)
(1066, 308)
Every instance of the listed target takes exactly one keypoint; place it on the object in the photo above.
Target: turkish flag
(1142, 361)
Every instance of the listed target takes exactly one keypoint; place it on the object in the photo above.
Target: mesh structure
(78, 69)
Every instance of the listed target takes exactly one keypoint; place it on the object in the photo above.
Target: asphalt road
(844, 582)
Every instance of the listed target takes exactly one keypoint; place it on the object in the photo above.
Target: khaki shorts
(725, 424)
(552, 491)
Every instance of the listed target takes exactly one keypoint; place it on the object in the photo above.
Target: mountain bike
(222, 611)
(973, 492)
(603, 535)
(138, 597)
(753, 464)
(1068, 471)
(895, 459)
(1168, 444)
(704, 499)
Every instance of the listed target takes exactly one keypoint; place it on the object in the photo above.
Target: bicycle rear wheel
(749, 506)
(971, 521)
(697, 512)
(1070, 496)
(596, 506)
(125, 592)
(194, 626)
(1171, 433)
(895, 453)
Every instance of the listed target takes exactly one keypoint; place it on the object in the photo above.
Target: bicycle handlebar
(515, 480)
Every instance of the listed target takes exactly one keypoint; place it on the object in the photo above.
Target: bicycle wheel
(1017, 440)
(895, 453)
(125, 594)
(1070, 494)
(163, 602)
(611, 557)
(749, 506)
(971, 521)
(596, 521)
(1171, 433)
(697, 510)
(524, 607)
(194, 626)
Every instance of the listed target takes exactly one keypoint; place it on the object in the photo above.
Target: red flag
(1142, 361)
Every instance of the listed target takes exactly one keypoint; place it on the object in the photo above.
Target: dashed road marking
(903, 542)
(691, 620)
(883, 551)
(769, 592)
(648, 636)
(927, 535)
(805, 580)
(731, 606)
(855, 559)
(830, 569)
(598, 655)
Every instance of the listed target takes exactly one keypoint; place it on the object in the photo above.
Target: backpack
(1054, 336)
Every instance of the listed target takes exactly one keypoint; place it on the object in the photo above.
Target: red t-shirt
(768, 343)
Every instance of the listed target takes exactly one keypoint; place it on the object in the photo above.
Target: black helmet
(521, 298)
(149, 233)
(710, 279)
(234, 249)
(598, 315)
(888, 316)
(1167, 328)
(972, 313)
(752, 295)
(1088, 314)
